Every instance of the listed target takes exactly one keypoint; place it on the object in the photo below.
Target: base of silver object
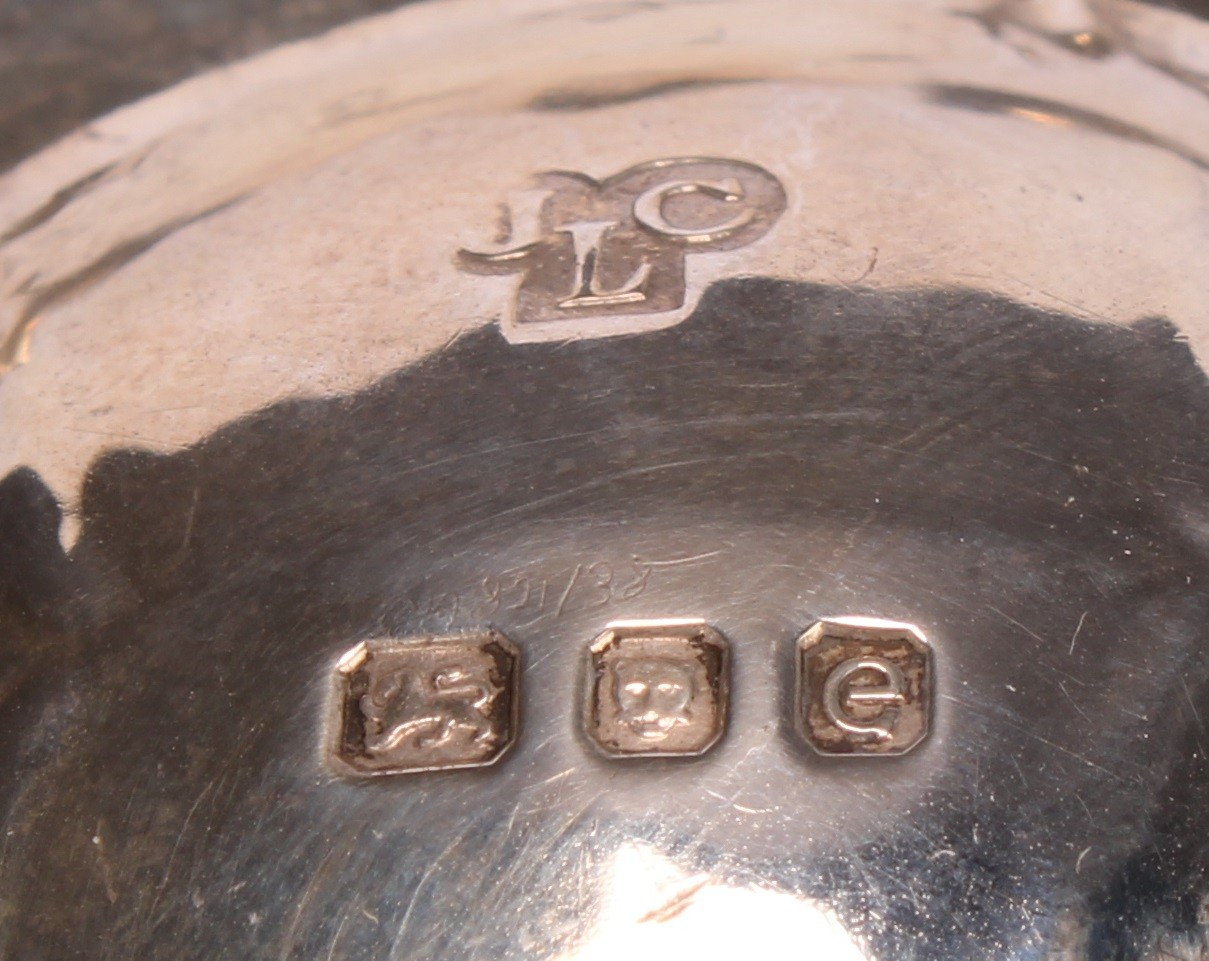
(823, 380)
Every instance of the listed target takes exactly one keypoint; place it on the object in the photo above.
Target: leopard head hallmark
(599, 258)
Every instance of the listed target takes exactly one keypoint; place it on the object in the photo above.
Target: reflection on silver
(425, 704)
(657, 688)
(957, 377)
(653, 910)
(863, 686)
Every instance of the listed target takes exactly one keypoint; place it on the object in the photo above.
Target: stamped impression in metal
(598, 258)
(863, 686)
(657, 688)
(425, 703)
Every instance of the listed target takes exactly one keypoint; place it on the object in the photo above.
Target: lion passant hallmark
(425, 703)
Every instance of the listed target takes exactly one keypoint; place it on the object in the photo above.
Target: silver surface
(255, 412)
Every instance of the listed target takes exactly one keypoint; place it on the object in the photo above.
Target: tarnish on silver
(607, 257)
(657, 688)
(403, 705)
(863, 686)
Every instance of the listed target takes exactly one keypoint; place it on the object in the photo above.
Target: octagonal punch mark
(863, 686)
(430, 703)
(657, 689)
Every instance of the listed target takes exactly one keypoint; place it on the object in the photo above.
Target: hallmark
(599, 258)
(425, 703)
(863, 687)
(657, 689)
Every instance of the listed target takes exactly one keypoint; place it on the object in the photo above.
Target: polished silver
(863, 686)
(255, 409)
(657, 688)
(403, 705)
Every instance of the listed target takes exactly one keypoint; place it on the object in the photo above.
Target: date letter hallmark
(425, 704)
(657, 689)
(863, 687)
(600, 258)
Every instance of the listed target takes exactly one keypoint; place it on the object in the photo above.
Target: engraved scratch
(1082, 855)
(870, 268)
(1019, 769)
(676, 905)
(331, 951)
(1078, 627)
(684, 560)
(1188, 695)
(553, 778)
(593, 484)
(567, 593)
(176, 847)
(1010, 619)
(742, 808)
(190, 519)
(1196, 715)
(630, 429)
(746, 810)
(425, 879)
(317, 879)
(1036, 737)
(1063, 689)
(122, 435)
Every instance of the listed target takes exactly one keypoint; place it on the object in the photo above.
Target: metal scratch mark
(676, 904)
(1078, 627)
(1063, 689)
(176, 847)
(1012, 620)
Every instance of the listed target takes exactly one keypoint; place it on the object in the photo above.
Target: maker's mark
(607, 257)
